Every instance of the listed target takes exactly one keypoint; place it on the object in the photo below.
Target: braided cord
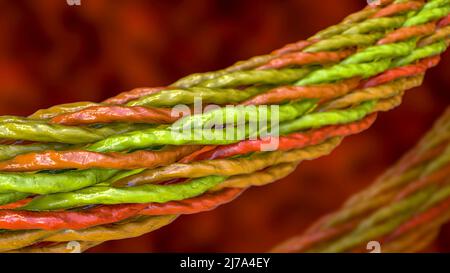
(407, 204)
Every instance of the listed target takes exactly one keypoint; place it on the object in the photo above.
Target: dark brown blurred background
(53, 53)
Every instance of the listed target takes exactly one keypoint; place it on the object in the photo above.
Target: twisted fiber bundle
(403, 210)
(94, 172)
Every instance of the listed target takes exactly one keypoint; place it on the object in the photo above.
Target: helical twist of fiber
(402, 210)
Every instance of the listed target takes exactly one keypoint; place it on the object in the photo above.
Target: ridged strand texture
(403, 209)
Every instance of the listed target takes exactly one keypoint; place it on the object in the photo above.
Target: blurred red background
(53, 53)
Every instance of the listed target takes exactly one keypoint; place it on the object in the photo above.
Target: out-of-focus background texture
(53, 53)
